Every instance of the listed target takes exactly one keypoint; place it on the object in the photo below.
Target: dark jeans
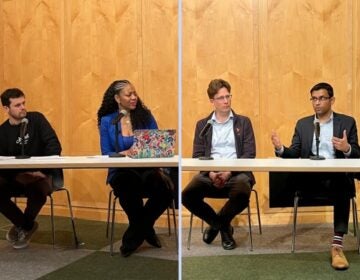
(237, 189)
(337, 188)
(131, 185)
(36, 193)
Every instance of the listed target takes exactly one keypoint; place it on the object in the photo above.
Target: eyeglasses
(320, 99)
(223, 98)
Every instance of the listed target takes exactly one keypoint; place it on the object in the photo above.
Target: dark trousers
(131, 185)
(237, 189)
(36, 194)
(337, 188)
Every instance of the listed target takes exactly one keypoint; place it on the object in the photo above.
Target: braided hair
(139, 117)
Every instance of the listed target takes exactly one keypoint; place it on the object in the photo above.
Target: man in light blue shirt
(222, 134)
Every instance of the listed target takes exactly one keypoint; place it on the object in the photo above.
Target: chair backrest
(57, 178)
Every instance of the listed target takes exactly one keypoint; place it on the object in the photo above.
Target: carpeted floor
(271, 257)
(91, 261)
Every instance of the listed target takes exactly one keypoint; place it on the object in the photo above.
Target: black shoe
(131, 240)
(227, 239)
(209, 234)
(126, 251)
(153, 240)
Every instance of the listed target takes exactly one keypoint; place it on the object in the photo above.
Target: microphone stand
(22, 137)
(317, 156)
(117, 148)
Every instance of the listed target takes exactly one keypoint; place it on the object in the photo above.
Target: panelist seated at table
(229, 135)
(337, 135)
(122, 112)
(30, 134)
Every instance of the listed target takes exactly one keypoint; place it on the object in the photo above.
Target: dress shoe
(227, 240)
(126, 251)
(338, 258)
(209, 234)
(131, 240)
(153, 240)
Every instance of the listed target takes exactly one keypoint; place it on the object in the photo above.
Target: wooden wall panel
(219, 41)
(65, 54)
(31, 54)
(159, 48)
(280, 49)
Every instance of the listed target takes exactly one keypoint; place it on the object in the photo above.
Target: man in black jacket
(32, 131)
(338, 139)
(229, 136)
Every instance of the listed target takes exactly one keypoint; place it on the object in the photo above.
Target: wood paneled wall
(272, 52)
(64, 55)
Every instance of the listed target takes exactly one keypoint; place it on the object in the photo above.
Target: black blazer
(303, 137)
(244, 139)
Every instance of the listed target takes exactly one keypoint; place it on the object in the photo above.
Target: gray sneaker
(12, 234)
(24, 237)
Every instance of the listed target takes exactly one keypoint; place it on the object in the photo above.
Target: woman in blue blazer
(120, 113)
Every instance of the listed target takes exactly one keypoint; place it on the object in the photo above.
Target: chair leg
(168, 221)
(296, 201)
(250, 230)
(258, 210)
(356, 223)
(76, 240)
(175, 226)
(112, 227)
(190, 229)
(108, 213)
(52, 220)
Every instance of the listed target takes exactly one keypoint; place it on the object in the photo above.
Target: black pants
(337, 188)
(131, 185)
(237, 189)
(36, 194)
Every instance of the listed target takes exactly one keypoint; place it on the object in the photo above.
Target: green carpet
(275, 266)
(100, 265)
(90, 233)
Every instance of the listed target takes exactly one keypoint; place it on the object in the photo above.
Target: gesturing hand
(341, 144)
(275, 139)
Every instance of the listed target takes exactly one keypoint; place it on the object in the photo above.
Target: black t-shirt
(40, 138)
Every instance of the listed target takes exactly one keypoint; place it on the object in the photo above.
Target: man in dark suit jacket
(227, 135)
(338, 139)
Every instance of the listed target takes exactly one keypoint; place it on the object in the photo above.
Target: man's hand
(275, 139)
(219, 178)
(341, 144)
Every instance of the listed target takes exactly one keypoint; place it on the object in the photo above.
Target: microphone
(317, 141)
(202, 134)
(24, 122)
(205, 129)
(121, 114)
(317, 129)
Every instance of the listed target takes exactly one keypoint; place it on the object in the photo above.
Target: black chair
(249, 220)
(58, 186)
(322, 200)
(113, 208)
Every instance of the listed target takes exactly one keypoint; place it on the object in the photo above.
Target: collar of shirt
(214, 119)
(329, 120)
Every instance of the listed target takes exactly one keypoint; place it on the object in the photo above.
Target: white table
(271, 164)
(75, 162)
